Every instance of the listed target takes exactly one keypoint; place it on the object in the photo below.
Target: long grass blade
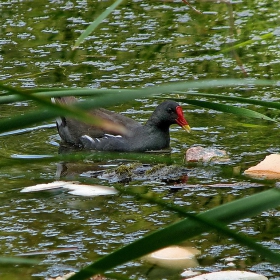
(18, 260)
(249, 42)
(54, 110)
(187, 228)
(267, 104)
(95, 24)
(18, 159)
(10, 98)
(226, 109)
(129, 94)
(109, 99)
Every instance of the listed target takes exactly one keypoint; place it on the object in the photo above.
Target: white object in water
(74, 188)
(269, 168)
(174, 257)
(229, 275)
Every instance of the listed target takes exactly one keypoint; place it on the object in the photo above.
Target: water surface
(141, 44)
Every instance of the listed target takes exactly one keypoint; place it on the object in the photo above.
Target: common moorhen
(153, 135)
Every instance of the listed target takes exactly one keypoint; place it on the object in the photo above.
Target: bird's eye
(169, 110)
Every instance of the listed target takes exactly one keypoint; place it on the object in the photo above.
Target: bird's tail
(64, 100)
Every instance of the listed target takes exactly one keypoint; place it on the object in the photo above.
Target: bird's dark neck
(159, 129)
(157, 123)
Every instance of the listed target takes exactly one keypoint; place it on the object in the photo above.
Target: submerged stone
(145, 172)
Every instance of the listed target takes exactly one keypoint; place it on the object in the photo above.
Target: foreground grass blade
(64, 110)
(110, 99)
(249, 42)
(267, 104)
(187, 228)
(96, 23)
(10, 98)
(18, 159)
(17, 260)
(129, 94)
(31, 118)
(21, 121)
(226, 109)
(107, 97)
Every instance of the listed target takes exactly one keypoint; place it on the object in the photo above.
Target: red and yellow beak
(181, 120)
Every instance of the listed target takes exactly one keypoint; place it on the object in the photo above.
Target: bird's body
(153, 135)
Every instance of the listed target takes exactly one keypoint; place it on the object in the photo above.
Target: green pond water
(142, 43)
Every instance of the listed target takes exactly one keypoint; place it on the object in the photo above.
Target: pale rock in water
(201, 154)
(174, 257)
(269, 168)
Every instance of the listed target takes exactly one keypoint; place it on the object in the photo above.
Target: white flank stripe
(89, 138)
(112, 136)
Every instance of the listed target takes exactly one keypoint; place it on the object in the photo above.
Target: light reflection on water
(141, 44)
